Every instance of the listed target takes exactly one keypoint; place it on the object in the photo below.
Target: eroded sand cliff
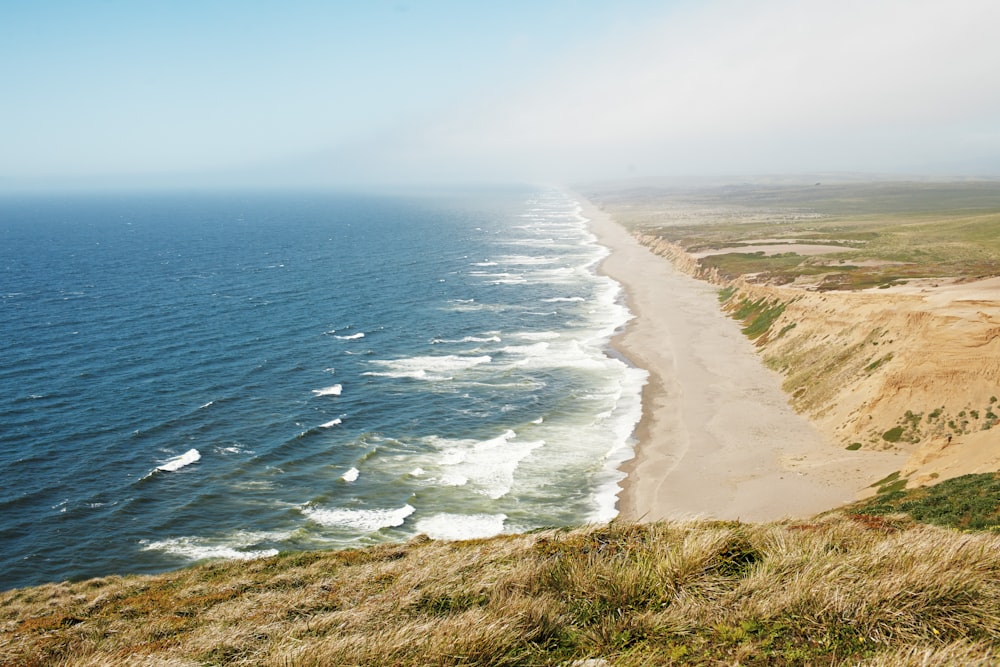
(914, 367)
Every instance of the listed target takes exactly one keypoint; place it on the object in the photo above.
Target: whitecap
(533, 349)
(536, 335)
(368, 520)
(528, 260)
(487, 466)
(351, 475)
(446, 526)
(356, 336)
(178, 462)
(467, 339)
(427, 367)
(333, 390)
(231, 547)
(332, 422)
(453, 480)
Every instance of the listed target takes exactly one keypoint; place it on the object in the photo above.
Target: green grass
(878, 362)
(969, 502)
(726, 293)
(732, 265)
(893, 434)
(916, 230)
(756, 316)
(891, 477)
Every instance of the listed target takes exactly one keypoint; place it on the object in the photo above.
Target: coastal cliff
(913, 367)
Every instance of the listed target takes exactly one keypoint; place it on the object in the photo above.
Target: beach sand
(717, 438)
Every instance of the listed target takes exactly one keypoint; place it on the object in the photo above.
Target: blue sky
(106, 93)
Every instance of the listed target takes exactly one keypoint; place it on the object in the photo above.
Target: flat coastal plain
(717, 438)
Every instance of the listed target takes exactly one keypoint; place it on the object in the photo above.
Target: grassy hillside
(849, 588)
(887, 231)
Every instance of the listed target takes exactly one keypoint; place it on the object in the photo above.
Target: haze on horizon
(310, 93)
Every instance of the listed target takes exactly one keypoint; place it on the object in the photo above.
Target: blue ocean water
(194, 376)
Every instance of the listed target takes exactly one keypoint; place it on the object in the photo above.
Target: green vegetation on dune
(865, 585)
(768, 267)
(969, 502)
(757, 316)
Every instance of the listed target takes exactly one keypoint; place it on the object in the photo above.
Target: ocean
(191, 376)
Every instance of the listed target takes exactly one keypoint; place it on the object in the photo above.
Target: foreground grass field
(886, 232)
(848, 588)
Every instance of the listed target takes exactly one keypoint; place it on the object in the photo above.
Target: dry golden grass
(839, 590)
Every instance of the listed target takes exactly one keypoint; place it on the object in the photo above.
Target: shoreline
(717, 438)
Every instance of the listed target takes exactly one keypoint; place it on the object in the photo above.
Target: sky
(139, 93)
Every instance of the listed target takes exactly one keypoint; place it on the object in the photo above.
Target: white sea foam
(333, 390)
(533, 349)
(488, 467)
(366, 520)
(564, 299)
(178, 462)
(332, 422)
(354, 336)
(471, 306)
(351, 475)
(501, 278)
(467, 339)
(452, 479)
(528, 260)
(447, 526)
(536, 335)
(427, 367)
(231, 547)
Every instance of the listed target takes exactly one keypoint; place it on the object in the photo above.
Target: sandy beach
(717, 438)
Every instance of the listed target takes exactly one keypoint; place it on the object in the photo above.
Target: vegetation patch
(969, 502)
(893, 434)
(785, 329)
(888, 479)
(757, 316)
(878, 362)
(890, 232)
(768, 268)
